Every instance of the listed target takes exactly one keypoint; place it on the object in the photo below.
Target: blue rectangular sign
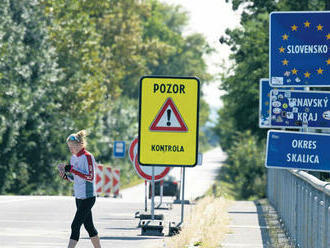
(297, 109)
(297, 150)
(119, 149)
(264, 102)
(299, 52)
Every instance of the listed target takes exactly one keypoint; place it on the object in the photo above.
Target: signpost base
(152, 225)
(186, 202)
(148, 217)
(152, 228)
(173, 229)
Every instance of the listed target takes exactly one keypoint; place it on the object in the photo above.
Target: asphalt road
(44, 221)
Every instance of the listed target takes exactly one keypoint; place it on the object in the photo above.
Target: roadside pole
(146, 195)
(182, 198)
(153, 194)
(161, 183)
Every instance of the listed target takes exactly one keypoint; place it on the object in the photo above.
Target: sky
(211, 18)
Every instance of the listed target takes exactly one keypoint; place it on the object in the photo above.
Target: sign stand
(146, 195)
(161, 194)
(152, 226)
(182, 198)
(175, 229)
(153, 194)
(174, 115)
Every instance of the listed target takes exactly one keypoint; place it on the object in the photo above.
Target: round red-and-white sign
(145, 172)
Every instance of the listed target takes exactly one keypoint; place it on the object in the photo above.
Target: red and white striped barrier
(108, 181)
(116, 182)
(99, 179)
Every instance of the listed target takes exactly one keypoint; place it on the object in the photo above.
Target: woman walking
(82, 167)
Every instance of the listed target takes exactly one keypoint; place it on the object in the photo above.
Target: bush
(244, 167)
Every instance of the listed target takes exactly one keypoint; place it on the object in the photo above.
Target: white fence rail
(303, 204)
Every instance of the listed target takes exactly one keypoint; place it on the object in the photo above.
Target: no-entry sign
(168, 121)
(145, 172)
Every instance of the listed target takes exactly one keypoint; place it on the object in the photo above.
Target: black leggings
(83, 216)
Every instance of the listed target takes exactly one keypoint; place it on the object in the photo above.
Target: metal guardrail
(303, 204)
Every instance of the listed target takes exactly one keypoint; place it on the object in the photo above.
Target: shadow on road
(122, 228)
(117, 218)
(262, 222)
(125, 238)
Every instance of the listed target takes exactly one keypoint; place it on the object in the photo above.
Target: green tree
(244, 168)
(68, 65)
(28, 98)
(241, 101)
(249, 45)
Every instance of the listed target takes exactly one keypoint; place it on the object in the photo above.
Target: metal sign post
(153, 194)
(161, 193)
(182, 198)
(146, 195)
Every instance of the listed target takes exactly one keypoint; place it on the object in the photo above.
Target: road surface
(44, 221)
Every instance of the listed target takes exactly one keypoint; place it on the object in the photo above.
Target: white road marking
(254, 227)
(16, 232)
(14, 200)
(227, 245)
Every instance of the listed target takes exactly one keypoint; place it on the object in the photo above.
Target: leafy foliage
(239, 115)
(29, 75)
(244, 167)
(67, 65)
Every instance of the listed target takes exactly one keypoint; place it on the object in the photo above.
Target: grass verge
(205, 226)
(132, 183)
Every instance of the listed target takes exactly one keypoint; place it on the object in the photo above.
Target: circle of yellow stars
(285, 37)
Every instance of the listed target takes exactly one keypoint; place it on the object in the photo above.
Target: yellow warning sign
(168, 121)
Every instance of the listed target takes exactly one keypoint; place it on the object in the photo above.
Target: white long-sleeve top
(83, 170)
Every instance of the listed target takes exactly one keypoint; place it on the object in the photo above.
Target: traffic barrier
(108, 181)
(116, 182)
(303, 204)
(99, 179)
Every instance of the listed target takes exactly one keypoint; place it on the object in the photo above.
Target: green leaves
(70, 65)
(239, 115)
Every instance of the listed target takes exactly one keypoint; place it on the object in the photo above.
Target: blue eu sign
(297, 109)
(119, 149)
(264, 102)
(299, 53)
(296, 150)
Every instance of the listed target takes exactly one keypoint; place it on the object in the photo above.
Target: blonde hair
(78, 138)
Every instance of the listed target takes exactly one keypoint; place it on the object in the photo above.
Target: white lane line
(57, 222)
(228, 245)
(252, 227)
(34, 245)
(37, 244)
(17, 232)
(34, 221)
(14, 200)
